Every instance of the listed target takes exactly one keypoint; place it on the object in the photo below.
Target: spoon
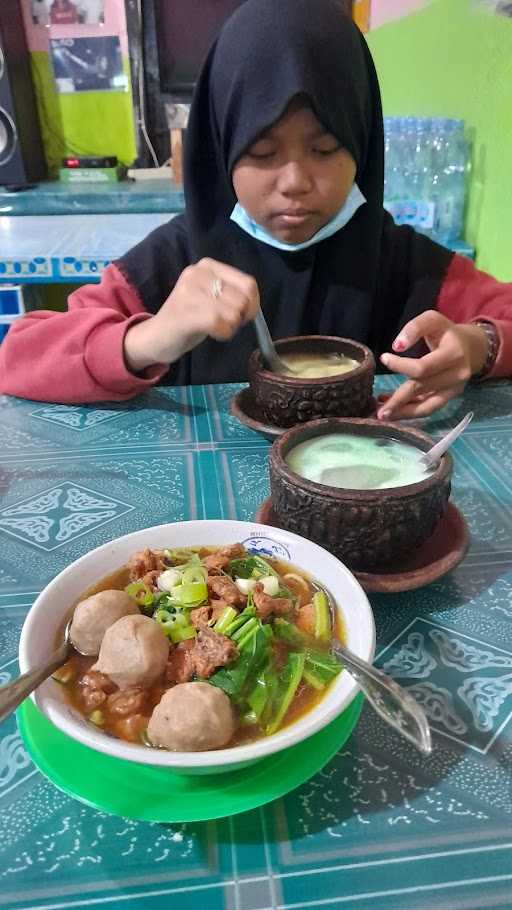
(390, 701)
(13, 693)
(430, 458)
(393, 703)
(266, 346)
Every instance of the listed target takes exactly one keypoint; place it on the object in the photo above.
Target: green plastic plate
(159, 794)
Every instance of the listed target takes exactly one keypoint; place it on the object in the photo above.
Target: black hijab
(363, 282)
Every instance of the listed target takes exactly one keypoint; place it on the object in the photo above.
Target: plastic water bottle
(394, 175)
(426, 163)
(450, 217)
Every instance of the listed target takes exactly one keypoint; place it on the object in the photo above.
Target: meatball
(192, 717)
(133, 652)
(93, 616)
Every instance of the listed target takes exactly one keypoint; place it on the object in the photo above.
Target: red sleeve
(468, 294)
(77, 357)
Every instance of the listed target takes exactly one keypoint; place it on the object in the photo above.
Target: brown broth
(305, 699)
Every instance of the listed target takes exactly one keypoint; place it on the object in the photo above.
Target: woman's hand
(457, 352)
(209, 299)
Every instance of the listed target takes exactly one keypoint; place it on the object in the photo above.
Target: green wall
(454, 59)
(84, 123)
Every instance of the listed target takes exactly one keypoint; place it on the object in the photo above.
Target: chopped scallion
(225, 619)
(140, 593)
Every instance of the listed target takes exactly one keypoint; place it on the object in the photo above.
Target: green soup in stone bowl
(357, 488)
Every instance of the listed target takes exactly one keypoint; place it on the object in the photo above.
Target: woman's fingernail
(383, 414)
(400, 343)
(384, 359)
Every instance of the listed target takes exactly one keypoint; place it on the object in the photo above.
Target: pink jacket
(77, 357)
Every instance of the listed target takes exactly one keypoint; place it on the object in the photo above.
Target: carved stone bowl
(285, 400)
(364, 528)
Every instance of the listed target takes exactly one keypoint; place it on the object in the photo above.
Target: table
(380, 826)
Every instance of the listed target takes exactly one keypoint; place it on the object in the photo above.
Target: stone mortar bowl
(284, 400)
(364, 528)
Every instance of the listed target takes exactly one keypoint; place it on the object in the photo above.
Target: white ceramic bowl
(49, 610)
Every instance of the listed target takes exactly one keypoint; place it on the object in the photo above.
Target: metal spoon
(393, 703)
(13, 693)
(266, 346)
(430, 458)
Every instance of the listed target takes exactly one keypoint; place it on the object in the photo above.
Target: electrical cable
(140, 86)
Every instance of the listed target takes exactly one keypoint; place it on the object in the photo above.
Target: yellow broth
(319, 366)
(133, 728)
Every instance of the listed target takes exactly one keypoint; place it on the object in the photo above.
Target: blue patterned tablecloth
(380, 826)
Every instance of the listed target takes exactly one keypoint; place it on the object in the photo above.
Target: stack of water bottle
(426, 174)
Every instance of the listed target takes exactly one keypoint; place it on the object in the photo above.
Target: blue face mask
(353, 202)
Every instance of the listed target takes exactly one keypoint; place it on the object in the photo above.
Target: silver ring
(217, 288)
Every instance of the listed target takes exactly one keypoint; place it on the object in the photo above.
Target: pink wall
(383, 11)
(115, 24)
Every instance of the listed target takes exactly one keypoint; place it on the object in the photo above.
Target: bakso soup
(201, 648)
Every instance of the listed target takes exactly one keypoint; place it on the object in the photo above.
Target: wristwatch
(493, 345)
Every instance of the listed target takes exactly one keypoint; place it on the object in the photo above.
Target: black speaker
(21, 148)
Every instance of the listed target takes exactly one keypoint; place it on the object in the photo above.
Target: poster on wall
(88, 64)
(68, 12)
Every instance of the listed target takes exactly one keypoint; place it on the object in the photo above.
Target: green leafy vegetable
(288, 632)
(262, 694)
(250, 567)
(243, 630)
(240, 620)
(225, 619)
(322, 616)
(287, 684)
(237, 678)
(320, 669)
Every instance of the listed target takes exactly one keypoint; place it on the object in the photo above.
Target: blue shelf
(68, 248)
(127, 196)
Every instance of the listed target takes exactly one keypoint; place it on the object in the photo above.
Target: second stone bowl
(365, 528)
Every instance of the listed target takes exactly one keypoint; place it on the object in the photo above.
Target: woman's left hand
(456, 353)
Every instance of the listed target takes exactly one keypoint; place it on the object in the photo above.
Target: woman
(284, 191)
